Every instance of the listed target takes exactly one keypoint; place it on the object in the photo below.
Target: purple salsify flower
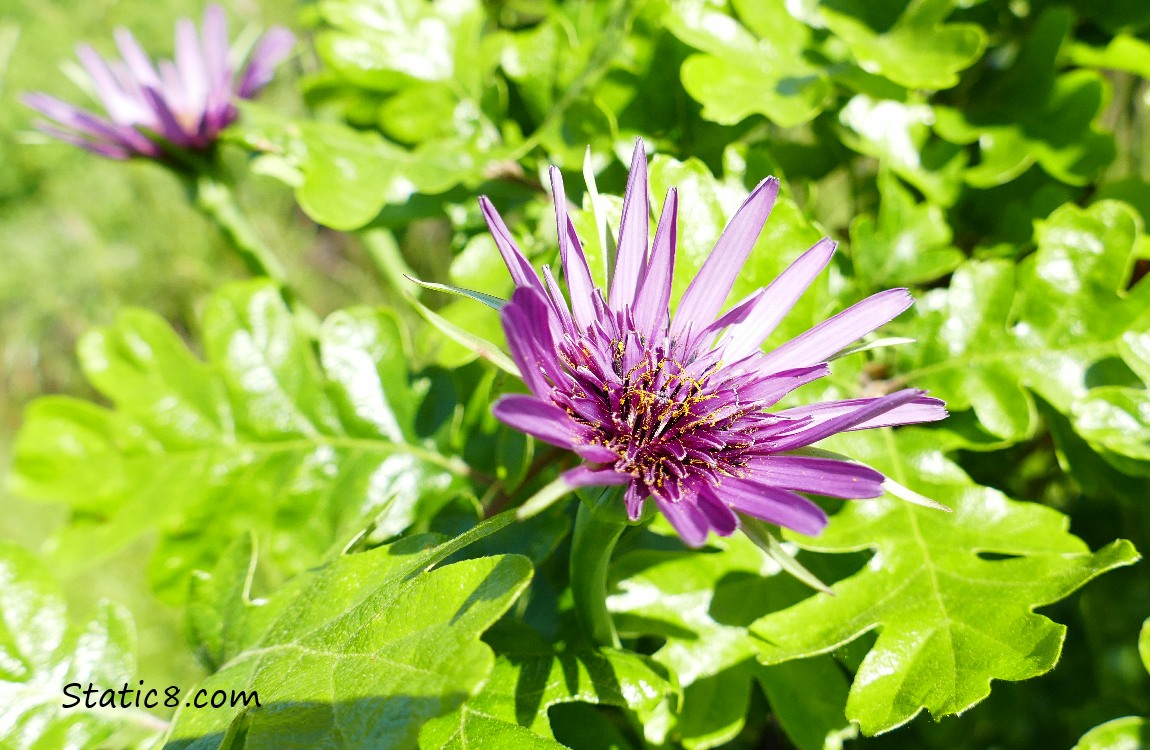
(678, 409)
(183, 103)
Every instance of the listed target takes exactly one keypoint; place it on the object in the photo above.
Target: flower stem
(591, 548)
(218, 202)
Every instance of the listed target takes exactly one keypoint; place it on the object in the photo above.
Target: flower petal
(870, 409)
(537, 418)
(517, 264)
(654, 296)
(634, 498)
(776, 301)
(771, 504)
(138, 61)
(275, 46)
(597, 454)
(920, 409)
(632, 255)
(822, 476)
(585, 476)
(575, 269)
(719, 515)
(709, 289)
(828, 337)
(527, 323)
(687, 519)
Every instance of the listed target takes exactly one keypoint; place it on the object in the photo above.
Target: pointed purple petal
(538, 419)
(527, 323)
(651, 303)
(772, 505)
(521, 271)
(822, 476)
(597, 454)
(632, 257)
(584, 476)
(769, 390)
(777, 300)
(852, 419)
(687, 519)
(109, 150)
(190, 65)
(137, 60)
(120, 106)
(275, 46)
(86, 123)
(169, 127)
(921, 409)
(834, 334)
(719, 515)
(634, 498)
(558, 301)
(709, 289)
(575, 269)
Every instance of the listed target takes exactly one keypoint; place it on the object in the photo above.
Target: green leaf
(949, 620)
(1116, 420)
(898, 134)
(343, 177)
(1128, 733)
(743, 72)
(362, 651)
(45, 663)
(999, 331)
(264, 435)
(1144, 644)
(908, 244)
(530, 677)
(1122, 52)
(701, 604)
(918, 50)
(1028, 115)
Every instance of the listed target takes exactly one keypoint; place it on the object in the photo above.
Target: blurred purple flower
(183, 103)
(677, 409)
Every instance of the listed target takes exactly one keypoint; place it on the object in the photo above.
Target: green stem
(591, 548)
(218, 202)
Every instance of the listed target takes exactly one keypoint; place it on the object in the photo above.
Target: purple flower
(678, 409)
(151, 108)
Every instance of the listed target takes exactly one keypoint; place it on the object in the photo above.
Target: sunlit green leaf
(909, 243)
(743, 72)
(949, 619)
(918, 50)
(264, 436)
(1056, 324)
(46, 664)
(362, 651)
(701, 605)
(530, 677)
(1128, 733)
